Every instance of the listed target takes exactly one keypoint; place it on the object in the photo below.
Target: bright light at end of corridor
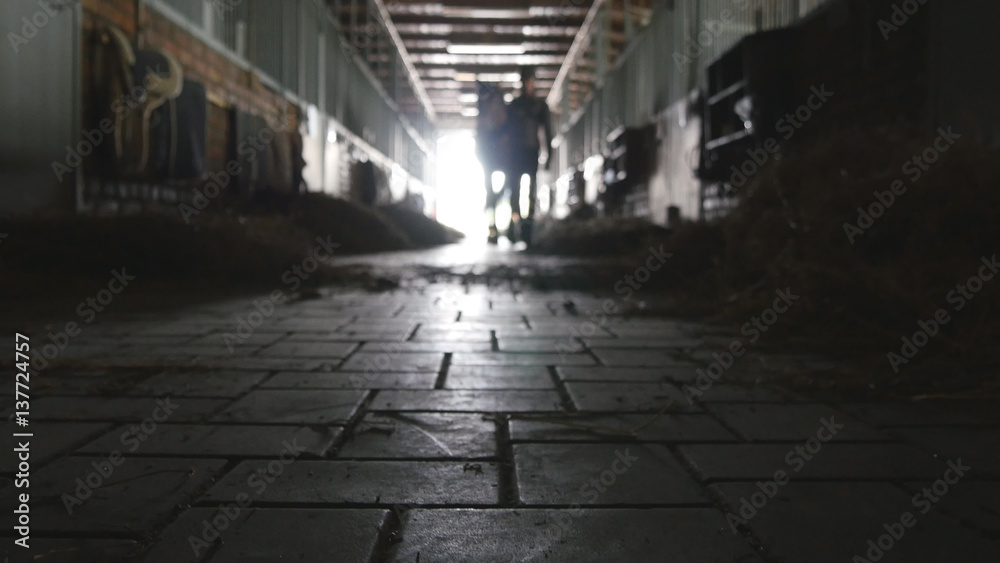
(460, 185)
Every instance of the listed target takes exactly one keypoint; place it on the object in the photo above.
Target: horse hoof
(526, 232)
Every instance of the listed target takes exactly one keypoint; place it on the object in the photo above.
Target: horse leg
(512, 185)
(528, 220)
(491, 207)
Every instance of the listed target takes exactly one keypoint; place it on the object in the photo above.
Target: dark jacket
(530, 114)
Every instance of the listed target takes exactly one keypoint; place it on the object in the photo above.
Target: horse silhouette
(494, 144)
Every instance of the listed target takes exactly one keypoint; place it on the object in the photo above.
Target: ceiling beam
(486, 4)
(463, 38)
(542, 73)
(509, 21)
(449, 29)
(486, 60)
(582, 38)
(404, 56)
(438, 45)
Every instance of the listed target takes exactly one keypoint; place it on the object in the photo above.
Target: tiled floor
(473, 424)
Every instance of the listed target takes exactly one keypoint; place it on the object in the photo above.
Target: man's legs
(492, 199)
(531, 169)
(526, 163)
(512, 185)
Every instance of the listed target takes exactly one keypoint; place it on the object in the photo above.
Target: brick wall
(118, 12)
(228, 85)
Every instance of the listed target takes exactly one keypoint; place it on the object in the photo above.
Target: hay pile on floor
(789, 230)
(797, 226)
(216, 247)
(357, 228)
(219, 249)
(596, 237)
(421, 230)
(361, 229)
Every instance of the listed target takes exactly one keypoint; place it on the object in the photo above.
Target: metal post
(629, 24)
(302, 49)
(321, 102)
(602, 46)
(556, 94)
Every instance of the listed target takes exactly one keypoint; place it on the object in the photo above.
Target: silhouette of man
(531, 119)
